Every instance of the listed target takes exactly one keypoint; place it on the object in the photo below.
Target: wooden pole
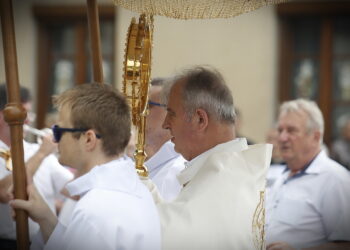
(15, 115)
(94, 27)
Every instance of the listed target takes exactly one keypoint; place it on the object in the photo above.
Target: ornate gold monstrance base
(137, 69)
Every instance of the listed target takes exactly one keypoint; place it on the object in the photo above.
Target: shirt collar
(193, 166)
(163, 155)
(313, 167)
(118, 175)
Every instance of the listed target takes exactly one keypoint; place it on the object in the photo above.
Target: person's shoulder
(94, 201)
(259, 153)
(332, 169)
(99, 201)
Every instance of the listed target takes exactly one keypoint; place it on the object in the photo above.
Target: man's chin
(62, 161)
(286, 156)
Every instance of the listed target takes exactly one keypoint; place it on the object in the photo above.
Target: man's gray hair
(205, 88)
(158, 81)
(315, 118)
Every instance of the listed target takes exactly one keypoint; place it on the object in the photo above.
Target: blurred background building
(276, 53)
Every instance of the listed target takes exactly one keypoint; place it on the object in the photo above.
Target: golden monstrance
(137, 69)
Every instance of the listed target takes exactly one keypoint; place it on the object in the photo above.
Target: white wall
(242, 48)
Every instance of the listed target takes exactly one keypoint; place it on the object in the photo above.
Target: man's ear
(317, 136)
(90, 140)
(202, 119)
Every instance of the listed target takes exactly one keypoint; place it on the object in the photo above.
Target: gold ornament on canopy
(194, 9)
(137, 69)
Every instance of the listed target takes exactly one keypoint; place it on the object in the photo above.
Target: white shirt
(115, 211)
(274, 172)
(163, 167)
(50, 178)
(312, 207)
(69, 204)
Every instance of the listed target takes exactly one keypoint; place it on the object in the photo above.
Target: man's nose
(283, 136)
(165, 124)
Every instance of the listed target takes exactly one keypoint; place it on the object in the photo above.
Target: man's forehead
(176, 89)
(292, 118)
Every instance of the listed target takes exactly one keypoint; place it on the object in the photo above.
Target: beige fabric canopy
(194, 9)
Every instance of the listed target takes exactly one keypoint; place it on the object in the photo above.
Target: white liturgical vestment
(115, 212)
(221, 204)
(163, 168)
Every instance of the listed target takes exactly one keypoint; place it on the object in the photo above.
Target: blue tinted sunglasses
(156, 104)
(58, 132)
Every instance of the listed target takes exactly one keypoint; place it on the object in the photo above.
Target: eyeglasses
(58, 132)
(156, 104)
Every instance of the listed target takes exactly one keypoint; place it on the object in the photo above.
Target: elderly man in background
(163, 162)
(223, 178)
(309, 203)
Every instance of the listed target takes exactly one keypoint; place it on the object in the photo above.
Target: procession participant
(115, 210)
(221, 203)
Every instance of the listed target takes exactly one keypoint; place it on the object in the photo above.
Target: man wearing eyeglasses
(115, 210)
(48, 175)
(163, 162)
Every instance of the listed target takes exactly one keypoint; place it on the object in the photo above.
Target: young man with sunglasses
(115, 210)
(163, 162)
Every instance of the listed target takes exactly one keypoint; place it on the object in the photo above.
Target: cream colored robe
(215, 209)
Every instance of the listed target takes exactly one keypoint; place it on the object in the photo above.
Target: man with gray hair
(309, 204)
(221, 203)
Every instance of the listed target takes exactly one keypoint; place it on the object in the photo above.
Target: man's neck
(95, 161)
(298, 164)
(153, 147)
(217, 135)
(151, 150)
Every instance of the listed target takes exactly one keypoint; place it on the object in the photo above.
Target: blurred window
(64, 57)
(315, 57)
